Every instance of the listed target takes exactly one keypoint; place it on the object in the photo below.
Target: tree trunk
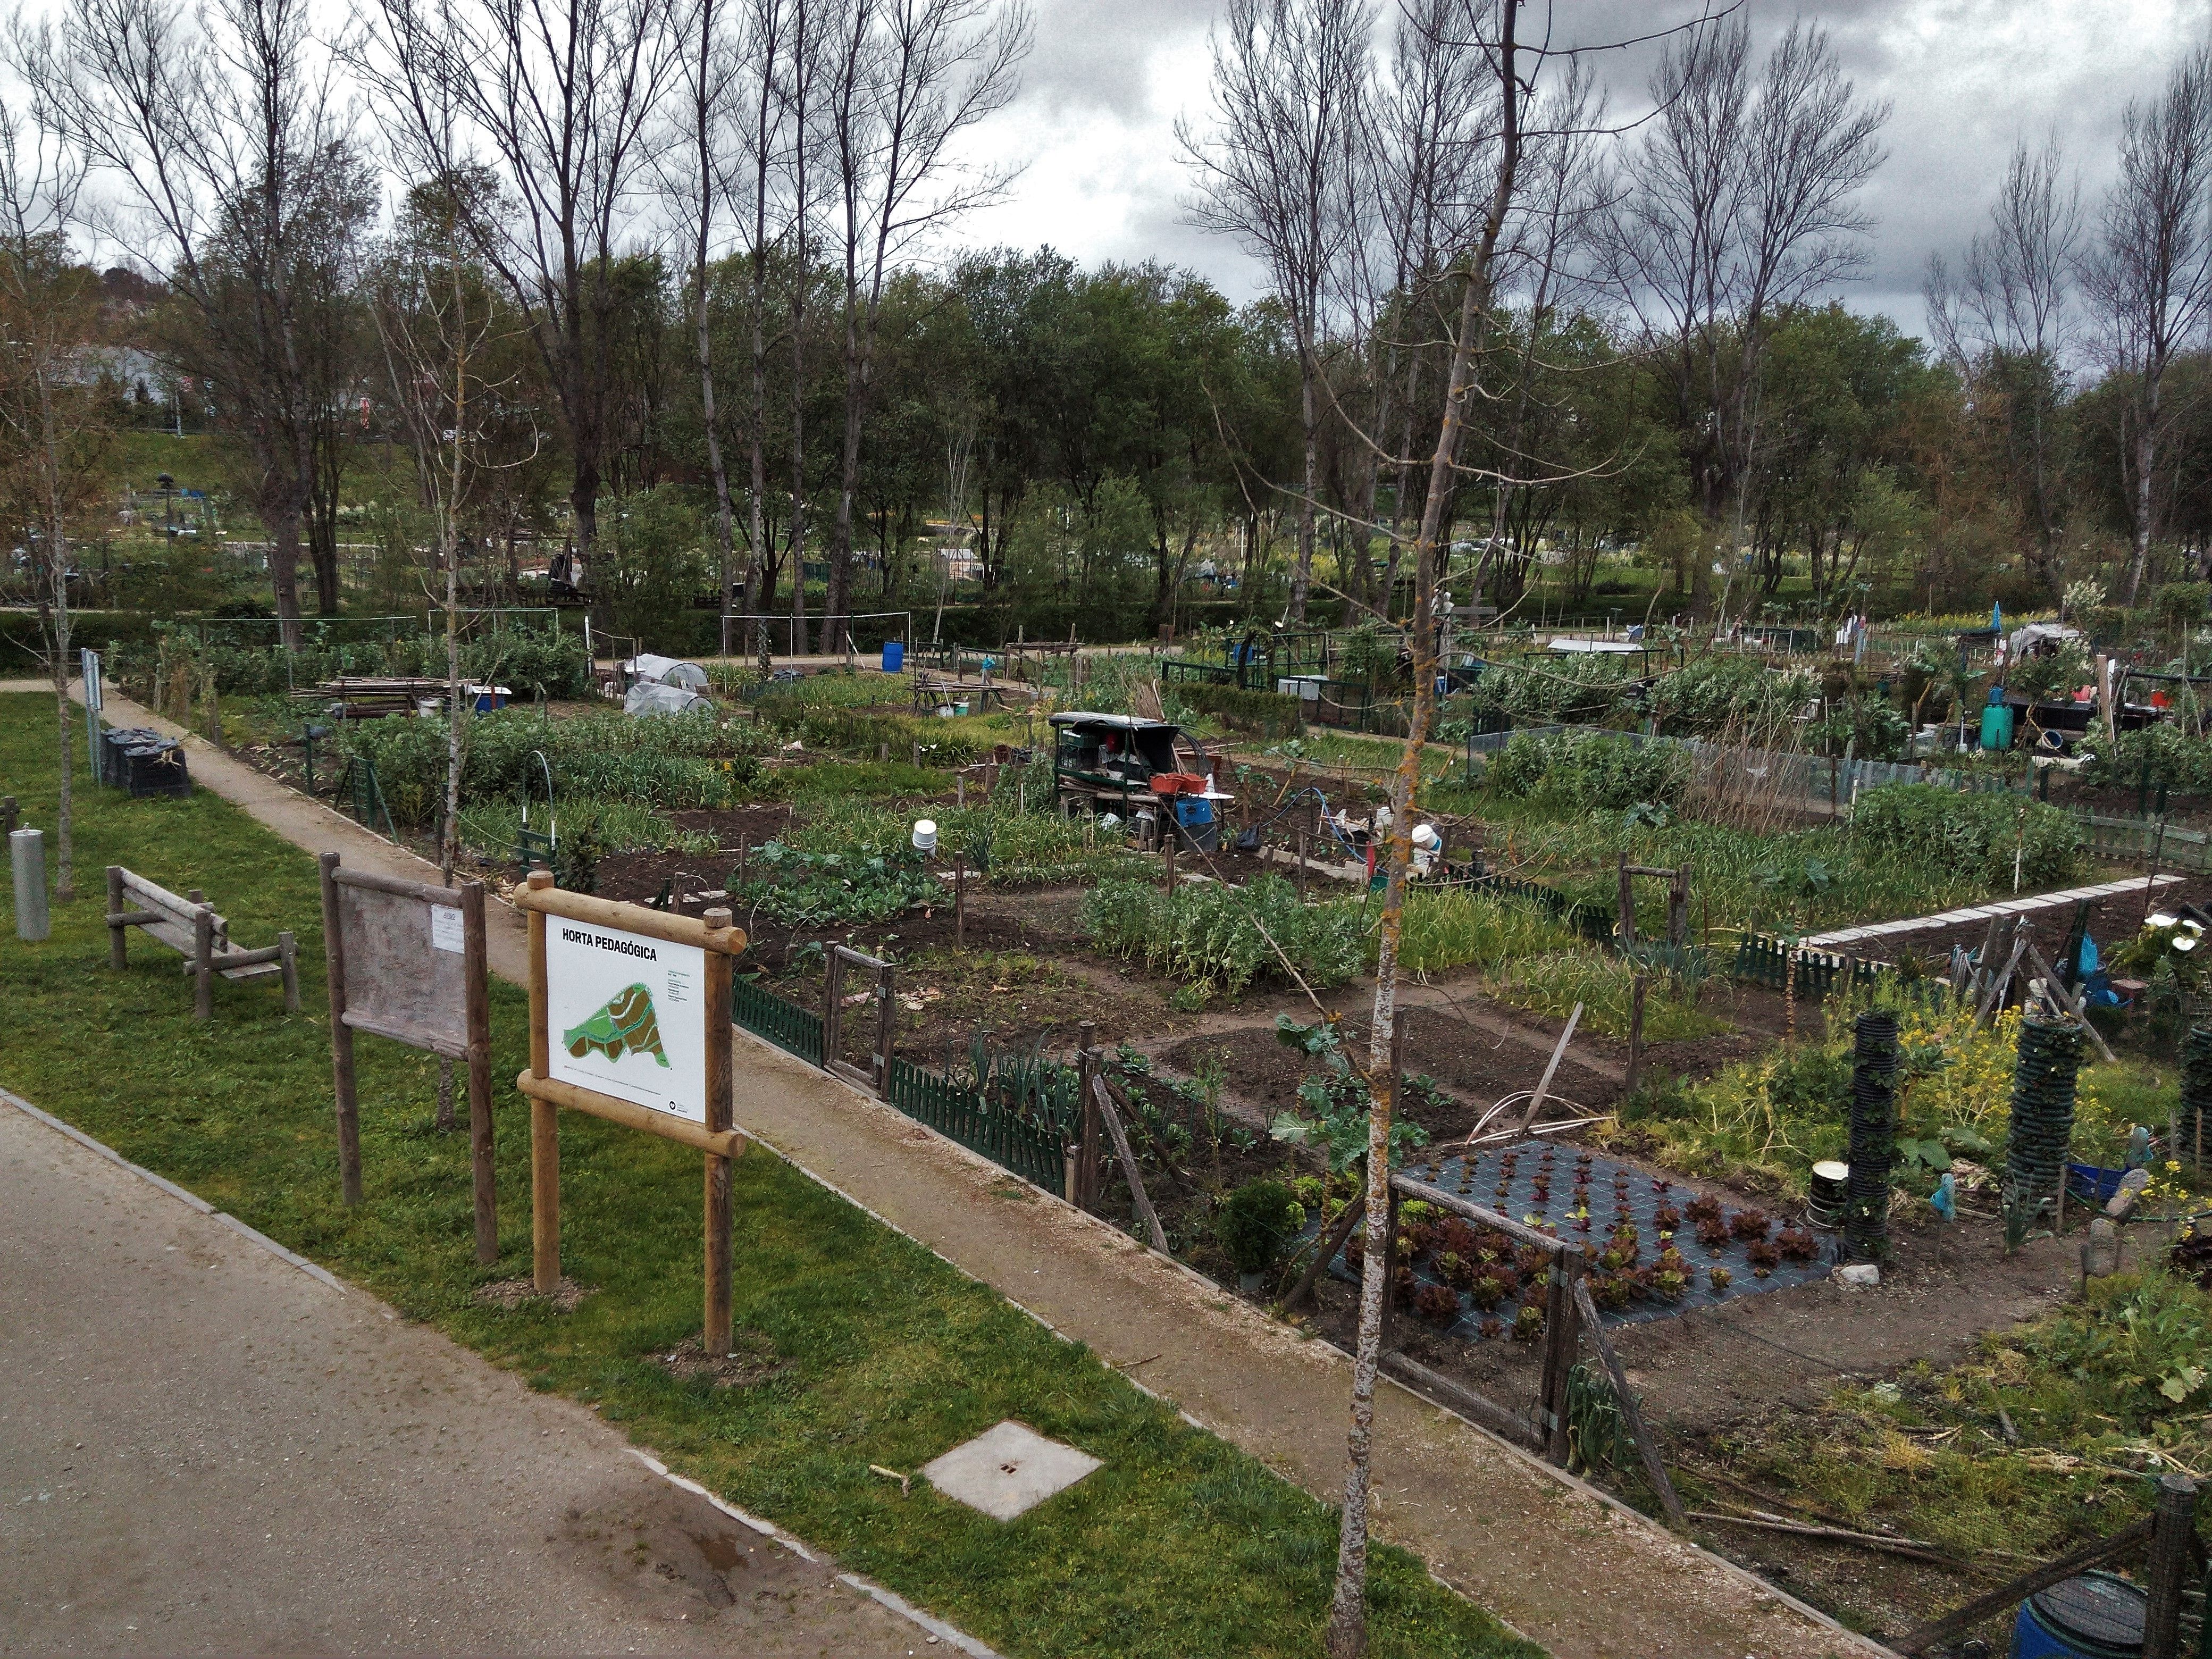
(280, 517)
(723, 529)
(1302, 578)
(2146, 449)
(1347, 1624)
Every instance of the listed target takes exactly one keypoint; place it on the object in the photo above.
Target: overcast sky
(1965, 79)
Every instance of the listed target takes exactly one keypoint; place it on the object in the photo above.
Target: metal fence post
(2174, 1526)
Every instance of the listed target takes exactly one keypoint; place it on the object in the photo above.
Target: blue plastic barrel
(2096, 1616)
(894, 656)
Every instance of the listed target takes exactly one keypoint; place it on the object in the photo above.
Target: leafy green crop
(1217, 935)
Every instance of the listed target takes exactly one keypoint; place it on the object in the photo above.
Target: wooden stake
(2072, 1001)
(1302, 863)
(959, 899)
(1129, 1163)
(544, 1119)
(342, 1076)
(1647, 1448)
(1544, 1088)
(1562, 1338)
(1639, 986)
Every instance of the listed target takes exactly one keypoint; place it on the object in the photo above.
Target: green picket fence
(1762, 961)
(794, 1030)
(1014, 1143)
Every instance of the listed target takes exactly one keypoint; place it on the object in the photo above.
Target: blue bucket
(894, 656)
(2096, 1616)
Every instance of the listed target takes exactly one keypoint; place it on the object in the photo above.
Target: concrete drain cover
(1008, 1469)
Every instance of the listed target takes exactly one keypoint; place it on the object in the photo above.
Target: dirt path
(206, 1449)
(1566, 1566)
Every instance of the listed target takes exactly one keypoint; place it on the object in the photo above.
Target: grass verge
(1181, 1545)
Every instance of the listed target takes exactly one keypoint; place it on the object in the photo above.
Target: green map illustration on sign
(626, 1025)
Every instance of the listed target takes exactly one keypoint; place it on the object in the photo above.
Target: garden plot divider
(1538, 1419)
(1030, 1149)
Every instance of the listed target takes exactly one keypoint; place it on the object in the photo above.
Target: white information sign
(446, 931)
(623, 1016)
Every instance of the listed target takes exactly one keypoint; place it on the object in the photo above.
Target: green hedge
(1262, 713)
(1980, 834)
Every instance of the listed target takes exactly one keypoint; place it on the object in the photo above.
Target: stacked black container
(2042, 1111)
(1874, 1135)
(2195, 1091)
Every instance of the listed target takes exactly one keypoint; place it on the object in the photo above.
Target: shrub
(2161, 755)
(1976, 833)
(1217, 933)
(1255, 1223)
(1591, 771)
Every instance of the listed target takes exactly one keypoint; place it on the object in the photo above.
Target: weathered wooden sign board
(408, 960)
(629, 1020)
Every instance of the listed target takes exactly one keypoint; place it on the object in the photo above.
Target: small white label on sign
(446, 927)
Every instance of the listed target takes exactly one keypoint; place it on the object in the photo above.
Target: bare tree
(2003, 323)
(693, 181)
(219, 125)
(564, 94)
(908, 78)
(1476, 271)
(2151, 275)
(1276, 169)
(757, 115)
(1431, 120)
(1739, 205)
(46, 312)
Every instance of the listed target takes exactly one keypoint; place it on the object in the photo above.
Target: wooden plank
(427, 892)
(1544, 1088)
(2071, 1000)
(1470, 1212)
(414, 1037)
(1129, 1164)
(728, 1143)
(1647, 1448)
(1458, 1397)
(552, 901)
(1959, 1620)
(159, 897)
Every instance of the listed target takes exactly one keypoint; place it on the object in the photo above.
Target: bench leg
(204, 966)
(115, 929)
(291, 962)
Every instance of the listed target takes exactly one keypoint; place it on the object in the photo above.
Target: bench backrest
(181, 912)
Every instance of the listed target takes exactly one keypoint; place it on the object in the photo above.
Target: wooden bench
(191, 928)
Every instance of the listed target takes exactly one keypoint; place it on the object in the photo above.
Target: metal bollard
(26, 856)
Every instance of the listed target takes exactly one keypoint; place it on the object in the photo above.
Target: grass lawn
(1180, 1545)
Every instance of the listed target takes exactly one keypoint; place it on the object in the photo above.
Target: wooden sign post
(629, 1020)
(408, 960)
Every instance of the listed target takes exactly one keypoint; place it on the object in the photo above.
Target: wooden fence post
(1639, 986)
(1562, 1337)
(833, 1007)
(718, 1334)
(1627, 909)
(544, 1119)
(959, 899)
(886, 1028)
(341, 1077)
(1085, 1194)
(484, 1169)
